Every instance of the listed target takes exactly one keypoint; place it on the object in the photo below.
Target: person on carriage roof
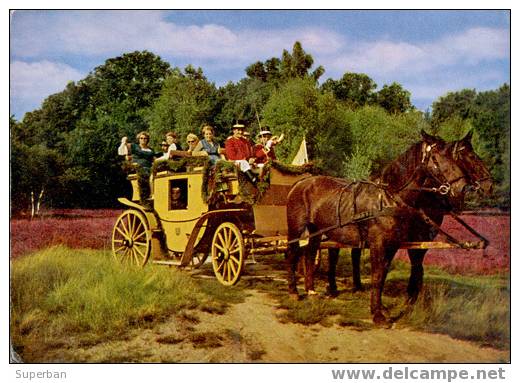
(264, 150)
(239, 150)
(209, 145)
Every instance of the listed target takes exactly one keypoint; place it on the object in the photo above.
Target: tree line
(65, 151)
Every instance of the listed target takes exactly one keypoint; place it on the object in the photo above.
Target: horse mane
(402, 169)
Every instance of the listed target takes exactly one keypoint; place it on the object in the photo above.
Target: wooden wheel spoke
(134, 256)
(234, 251)
(222, 241)
(229, 275)
(119, 249)
(139, 251)
(140, 243)
(125, 254)
(227, 234)
(220, 247)
(237, 261)
(220, 266)
(224, 269)
(120, 232)
(234, 244)
(123, 226)
(232, 267)
(131, 220)
(140, 228)
(136, 237)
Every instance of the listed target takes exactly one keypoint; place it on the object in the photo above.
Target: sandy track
(251, 332)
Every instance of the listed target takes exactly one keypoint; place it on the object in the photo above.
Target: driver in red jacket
(239, 150)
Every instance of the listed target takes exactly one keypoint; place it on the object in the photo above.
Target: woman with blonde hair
(209, 145)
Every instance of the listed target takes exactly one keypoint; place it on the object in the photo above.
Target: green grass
(475, 308)
(464, 309)
(60, 294)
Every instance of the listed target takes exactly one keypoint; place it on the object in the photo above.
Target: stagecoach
(219, 214)
(199, 211)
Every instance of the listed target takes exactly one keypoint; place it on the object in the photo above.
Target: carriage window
(178, 194)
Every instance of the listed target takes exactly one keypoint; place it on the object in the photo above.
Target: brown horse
(361, 214)
(434, 205)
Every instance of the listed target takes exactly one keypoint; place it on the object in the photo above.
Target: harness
(357, 217)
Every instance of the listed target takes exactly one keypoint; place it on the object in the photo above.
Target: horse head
(479, 176)
(449, 179)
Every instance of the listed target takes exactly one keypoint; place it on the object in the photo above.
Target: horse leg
(331, 274)
(380, 259)
(415, 282)
(292, 255)
(310, 264)
(355, 255)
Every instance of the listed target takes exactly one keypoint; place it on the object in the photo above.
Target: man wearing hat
(264, 150)
(239, 150)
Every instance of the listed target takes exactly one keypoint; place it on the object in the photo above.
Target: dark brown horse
(434, 205)
(367, 214)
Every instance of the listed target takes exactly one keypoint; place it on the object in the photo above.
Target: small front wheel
(131, 238)
(227, 253)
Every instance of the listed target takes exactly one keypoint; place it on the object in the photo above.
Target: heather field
(495, 258)
(92, 229)
(75, 228)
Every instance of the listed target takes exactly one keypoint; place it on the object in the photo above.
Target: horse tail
(297, 210)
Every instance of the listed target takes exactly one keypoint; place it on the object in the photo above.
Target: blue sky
(429, 52)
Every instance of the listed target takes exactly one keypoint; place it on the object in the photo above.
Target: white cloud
(32, 82)
(389, 57)
(106, 33)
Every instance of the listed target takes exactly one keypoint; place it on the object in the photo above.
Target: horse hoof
(332, 293)
(379, 319)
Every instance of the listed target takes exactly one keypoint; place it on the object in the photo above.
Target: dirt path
(251, 332)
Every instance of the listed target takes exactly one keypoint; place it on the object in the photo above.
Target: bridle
(445, 185)
(476, 182)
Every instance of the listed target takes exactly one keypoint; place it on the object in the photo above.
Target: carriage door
(178, 194)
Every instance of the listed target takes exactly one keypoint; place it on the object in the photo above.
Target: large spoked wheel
(227, 253)
(131, 238)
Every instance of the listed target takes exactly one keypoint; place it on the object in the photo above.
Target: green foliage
(355, 89)
(296, 64)
(488, 114)
(244, 100)
(453, 104)
(73, 137)
(394, 99)
(186, 102)
(299, 110)
(454, 128)
(378, 138)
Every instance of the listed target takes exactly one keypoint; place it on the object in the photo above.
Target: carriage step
(169, 263)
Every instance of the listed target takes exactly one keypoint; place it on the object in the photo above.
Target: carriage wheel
(227, 253)
(131, 238)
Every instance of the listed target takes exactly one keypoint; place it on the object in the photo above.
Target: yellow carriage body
(177, 219)
(185, 230)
